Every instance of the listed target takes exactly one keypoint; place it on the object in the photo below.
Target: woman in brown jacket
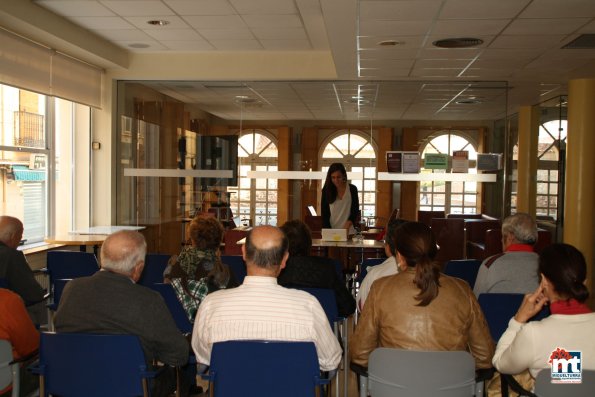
(420, 308)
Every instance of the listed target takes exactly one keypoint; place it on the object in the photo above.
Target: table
(92, 236)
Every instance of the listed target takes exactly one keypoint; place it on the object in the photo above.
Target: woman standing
(340, 202)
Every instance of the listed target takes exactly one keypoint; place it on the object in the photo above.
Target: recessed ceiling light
(390, 43)
(244, 99)
(138, 45)
(158, 22)
(459, 42)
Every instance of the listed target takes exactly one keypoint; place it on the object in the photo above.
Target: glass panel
(331, 152)
(261, 183)
(370, 172)
(456, 200)
(247, 143)
(341, 143)
(554, 188)
(369, 185)
(456, 187)
(356, 143)
(358, 184)
(542, 175)
(438, 199)
(273, 183)
(369, 211)
(542, 188)
(470, 200)
(242, 152)
(367, 152)
(369, 198)
(272, 197)
(554, 176)
(244, 195)
(261, 142)
(245, 183)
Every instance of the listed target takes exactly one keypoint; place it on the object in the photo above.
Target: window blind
(34, 67)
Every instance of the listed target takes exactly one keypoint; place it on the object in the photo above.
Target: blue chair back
(264, 368)
(91, 365)
(155, 265)
(328, 301)
(499, 308)
(236, 265)
(175, 307)
(58, 287)
(465, 269)
(367, 262)
(70, 264)
(3, 283)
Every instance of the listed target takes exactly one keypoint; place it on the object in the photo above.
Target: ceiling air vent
(461, 42)
(584, 41)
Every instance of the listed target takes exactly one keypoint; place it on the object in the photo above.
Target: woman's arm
(326, 210)
(354, 211)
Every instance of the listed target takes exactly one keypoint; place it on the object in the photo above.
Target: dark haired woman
(530, 345)
(198, 270)
(340, 202)
(420, 308)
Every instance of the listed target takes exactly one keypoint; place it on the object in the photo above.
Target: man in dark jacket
(111, 302)
(15, 270)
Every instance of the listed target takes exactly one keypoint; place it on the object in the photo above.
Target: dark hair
(416, 243)
(206, 233)
(389, 237)
(565, 267)
(329, 188)
(298, 236)
(265, 258)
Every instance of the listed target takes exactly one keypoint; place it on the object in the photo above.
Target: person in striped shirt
(261, 309)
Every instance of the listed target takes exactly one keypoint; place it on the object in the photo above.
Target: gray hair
(522, 227)
(122, 251)
(9, 227)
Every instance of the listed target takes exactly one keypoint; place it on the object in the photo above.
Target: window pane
(261, 183)
(247, 143)
(341, 144)
(331, 152)
(470, 200)
(370, 185)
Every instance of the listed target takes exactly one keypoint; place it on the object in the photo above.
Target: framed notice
(436, 161)
(489, 161)
(460, 161)
(410, 162)
(394, 162)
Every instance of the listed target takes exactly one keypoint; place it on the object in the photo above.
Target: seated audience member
(15, 270)
(386, 268)
(304, 270)
(17, 328)
(530, 345)
(514, 270)
(187, 275)
(110, 302)
(419, 308)
(262, 309)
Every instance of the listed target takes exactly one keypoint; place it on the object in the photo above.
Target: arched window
(354, 150)
(255, 199)
(552, 138)
(450, 197)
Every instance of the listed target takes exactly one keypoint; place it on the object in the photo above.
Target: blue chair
(175, 307)
(465, 269)
(499, 308)
(264, 368)
(59, 285)
(326, 298)
(236, 265)
(64, 265)
(155, 265)
(92, 365)
(3, 283)
(367, 262)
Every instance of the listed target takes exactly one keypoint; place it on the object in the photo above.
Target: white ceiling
(521, 53)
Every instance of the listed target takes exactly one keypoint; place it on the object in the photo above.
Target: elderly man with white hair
(515, 269)
(110, 302)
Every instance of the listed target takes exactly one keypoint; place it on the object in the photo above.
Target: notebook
(334, 234)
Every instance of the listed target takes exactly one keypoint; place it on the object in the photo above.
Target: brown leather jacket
(452, 321)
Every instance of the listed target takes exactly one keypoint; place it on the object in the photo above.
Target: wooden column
(579, 223)
(409, 190)
(527, 163)
(309, 152)
(384, 195)
(283, 185)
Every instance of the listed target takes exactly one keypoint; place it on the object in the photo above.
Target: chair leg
(363, 386)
